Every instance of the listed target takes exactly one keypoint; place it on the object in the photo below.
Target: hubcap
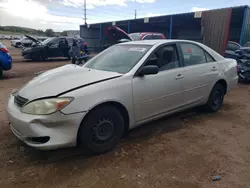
(102, 130)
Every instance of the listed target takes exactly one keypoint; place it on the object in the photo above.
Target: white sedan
(123, 87)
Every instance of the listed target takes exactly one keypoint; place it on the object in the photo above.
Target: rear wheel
(216, 98)
(101, 130)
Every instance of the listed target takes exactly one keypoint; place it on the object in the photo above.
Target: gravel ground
(181, 151)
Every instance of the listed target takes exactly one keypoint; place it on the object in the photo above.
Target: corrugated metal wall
(246, 29)
(91, 36)
(215, 28)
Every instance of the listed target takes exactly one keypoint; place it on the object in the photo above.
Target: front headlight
(46, 106)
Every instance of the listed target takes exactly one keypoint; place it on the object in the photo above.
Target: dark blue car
(5, 60)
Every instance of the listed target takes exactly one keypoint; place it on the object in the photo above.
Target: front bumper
(61, 129)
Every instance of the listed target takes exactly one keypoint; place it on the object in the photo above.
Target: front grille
(20, 101)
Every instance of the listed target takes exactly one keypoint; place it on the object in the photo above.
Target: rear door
(200, 72)
(63, 47)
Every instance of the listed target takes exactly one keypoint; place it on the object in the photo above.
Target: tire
(102, 130)
(39, 57)
(42, 57)
(1, 73)
(216, 98)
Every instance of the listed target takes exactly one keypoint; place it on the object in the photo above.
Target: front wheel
(216, 98)
(101, 130)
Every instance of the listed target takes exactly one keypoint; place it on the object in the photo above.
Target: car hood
(62, 80)
(116, 33)
(32, 38)
(17, 40)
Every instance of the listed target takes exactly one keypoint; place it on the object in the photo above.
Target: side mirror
(149, 69)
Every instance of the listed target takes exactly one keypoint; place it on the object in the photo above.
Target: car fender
(117, 90)
(228, 72)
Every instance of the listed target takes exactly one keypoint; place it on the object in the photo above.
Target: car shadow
(47, 60)
(136, 136)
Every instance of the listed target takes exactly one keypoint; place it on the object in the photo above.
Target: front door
(155, 95)
(200, 72)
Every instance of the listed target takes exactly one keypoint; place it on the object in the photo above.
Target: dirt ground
(180, 151)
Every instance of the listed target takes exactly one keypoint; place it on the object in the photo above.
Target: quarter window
(192, 54)
(209, 58)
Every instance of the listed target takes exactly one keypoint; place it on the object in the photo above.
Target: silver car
(123, 87)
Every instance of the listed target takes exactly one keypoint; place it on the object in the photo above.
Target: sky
(68, 14)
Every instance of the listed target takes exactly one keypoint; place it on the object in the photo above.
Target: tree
(49, 33)
(64, 33)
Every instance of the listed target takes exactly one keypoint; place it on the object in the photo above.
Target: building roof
(154, 42)
(161, 16)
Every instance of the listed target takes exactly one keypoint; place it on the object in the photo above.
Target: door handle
(179, 76)
(214, 69)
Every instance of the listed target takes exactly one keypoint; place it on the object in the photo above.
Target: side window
(70, 41)
(209, 58)
(63, 42)
(232, 46)
(192, 54)
(165, 58)
(54, 41)
(156, 37)
(148, 37)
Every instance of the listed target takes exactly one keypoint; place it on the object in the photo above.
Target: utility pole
(135, 14)
(85, 12)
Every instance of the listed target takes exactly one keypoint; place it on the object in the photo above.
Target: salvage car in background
(5, 60)
(117, 35)
(24, 41)
(236, 51)
(146, 36)
(243, 70)
(49, 48)
(123, 87)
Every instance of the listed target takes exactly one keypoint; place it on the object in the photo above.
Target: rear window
(232, 46)
(1, 45)
(157, 37)
(135, 36)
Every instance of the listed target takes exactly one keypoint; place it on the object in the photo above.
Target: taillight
(4, 50)
(237, 68)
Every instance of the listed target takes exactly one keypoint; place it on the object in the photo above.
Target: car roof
(155, 42)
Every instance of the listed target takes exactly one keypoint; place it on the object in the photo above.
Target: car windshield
(119, 58)
(135, 36)
(47, 41)
(247, 44)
